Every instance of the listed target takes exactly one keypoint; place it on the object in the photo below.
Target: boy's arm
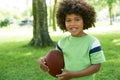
(88, 71)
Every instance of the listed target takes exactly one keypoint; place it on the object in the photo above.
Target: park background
(19, 59)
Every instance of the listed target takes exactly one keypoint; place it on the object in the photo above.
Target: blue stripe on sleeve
(96, 49)
(59, 48)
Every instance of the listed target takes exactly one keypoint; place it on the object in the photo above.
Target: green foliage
(111, 1)
(27, 13)
(110, 4)
(101, 4)
(5, 22)
(98, 4)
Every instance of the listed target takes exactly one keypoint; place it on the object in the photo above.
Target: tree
(110, 6)
(40, 27)
(54, 13)
(101, 4)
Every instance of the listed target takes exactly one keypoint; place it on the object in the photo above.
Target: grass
(111, 47)
(20, 62)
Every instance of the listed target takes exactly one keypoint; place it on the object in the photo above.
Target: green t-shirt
(80, 52)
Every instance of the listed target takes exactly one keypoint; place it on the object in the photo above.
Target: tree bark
(40, 27)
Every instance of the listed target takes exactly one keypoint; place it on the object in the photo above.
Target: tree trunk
(110, 14)
(54, 13)
(40, 27)
(110, 6)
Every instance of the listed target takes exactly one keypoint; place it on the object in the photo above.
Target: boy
(82, 53)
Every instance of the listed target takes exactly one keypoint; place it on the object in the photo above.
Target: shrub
(5, 22)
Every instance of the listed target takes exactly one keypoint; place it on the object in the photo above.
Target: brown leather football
(55, 62)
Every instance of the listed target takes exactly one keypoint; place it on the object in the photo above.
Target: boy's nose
(72, 23)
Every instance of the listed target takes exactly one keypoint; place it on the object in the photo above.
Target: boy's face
(74, 24)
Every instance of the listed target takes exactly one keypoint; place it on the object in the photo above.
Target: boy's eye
(68, 20)
(77, 19)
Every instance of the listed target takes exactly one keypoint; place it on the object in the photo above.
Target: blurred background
(20, 11)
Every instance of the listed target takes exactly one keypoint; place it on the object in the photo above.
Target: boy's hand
(43, 65)
(67, 75)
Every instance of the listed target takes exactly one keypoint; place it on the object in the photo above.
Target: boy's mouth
(73, 29)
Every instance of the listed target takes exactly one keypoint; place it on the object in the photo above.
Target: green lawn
(20, 62)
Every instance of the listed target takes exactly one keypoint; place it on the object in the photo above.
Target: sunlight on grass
(116, 41)
(28, 54)
(15, 34)
(114, 60)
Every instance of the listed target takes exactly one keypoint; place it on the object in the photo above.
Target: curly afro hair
(78, 7)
